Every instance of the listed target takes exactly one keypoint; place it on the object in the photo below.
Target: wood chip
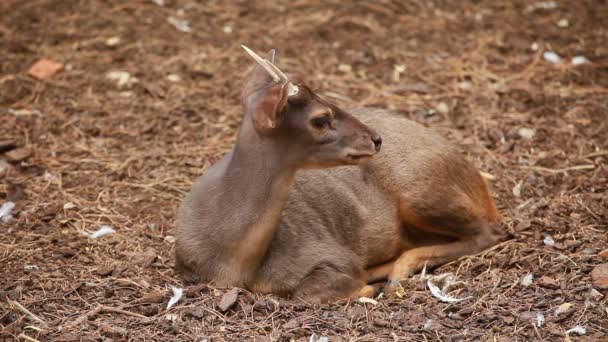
(548, 282)
(599, 276)
(44, 68)
(7, 145)
(105, 270)
(146, 258)
(291, 324)
(228, 299)
(18, 155)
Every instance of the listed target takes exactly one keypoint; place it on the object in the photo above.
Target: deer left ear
(266, 107)
(266, 91)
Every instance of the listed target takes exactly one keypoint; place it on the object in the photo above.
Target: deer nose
(377, 140)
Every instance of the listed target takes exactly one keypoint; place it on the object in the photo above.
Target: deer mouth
(359, 157)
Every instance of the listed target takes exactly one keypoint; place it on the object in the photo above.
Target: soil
(78, 151)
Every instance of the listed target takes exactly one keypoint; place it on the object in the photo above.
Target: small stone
(170, 239)
(113, 41)
(228, 299)
(173, 78)
(442, 108)
(564, 310)
(548, 282)
(563, 23)
(180, 24)
(345, 68)
(44, 68)
(526, 133)
(465, 85)
(578, 60)
(589, 251)
(69, 206)
(227, 29)
(548, 241)
(599, 276)
(121, 78)
(18, 155)
(551, 57)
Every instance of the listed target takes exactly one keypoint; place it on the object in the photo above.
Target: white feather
(102, 231)
(177, 294)
(579, 329)
(442, 296)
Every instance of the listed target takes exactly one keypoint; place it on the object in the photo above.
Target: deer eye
(320, 122)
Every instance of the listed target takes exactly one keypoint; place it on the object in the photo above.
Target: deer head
(312, 131)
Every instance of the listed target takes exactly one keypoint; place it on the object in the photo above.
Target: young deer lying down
(304, 205)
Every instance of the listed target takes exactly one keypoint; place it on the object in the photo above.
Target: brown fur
(267, 218)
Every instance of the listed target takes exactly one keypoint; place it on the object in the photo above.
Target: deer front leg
(329, 282)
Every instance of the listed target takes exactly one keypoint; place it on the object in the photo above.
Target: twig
(26, 311)
(102, 309)
(596, 154)
(25, 337)
(566, 169)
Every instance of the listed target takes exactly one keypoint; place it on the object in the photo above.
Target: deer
(322, 203)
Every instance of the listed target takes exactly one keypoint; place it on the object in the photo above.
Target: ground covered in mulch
(140, 108)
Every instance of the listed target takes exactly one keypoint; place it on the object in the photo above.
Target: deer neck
(261, 178)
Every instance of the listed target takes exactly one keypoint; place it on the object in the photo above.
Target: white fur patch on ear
(270, 123)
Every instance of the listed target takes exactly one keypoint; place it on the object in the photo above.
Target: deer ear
(266, 107)
(264, 99)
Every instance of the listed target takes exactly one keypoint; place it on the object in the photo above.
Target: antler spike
(276, 73)
(263, 63)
